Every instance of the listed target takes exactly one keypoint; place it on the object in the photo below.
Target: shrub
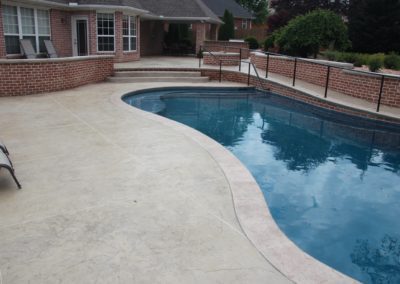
(392, 61)
(269, 42)
(306, 34)
(330, 55)
(253, 43)
(227, 29)
(358, 59)
(375, 62)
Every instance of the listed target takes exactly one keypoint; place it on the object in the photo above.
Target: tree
(306, 34)
(285, 10)
(227, 29)
(258, 7)
(374, 25)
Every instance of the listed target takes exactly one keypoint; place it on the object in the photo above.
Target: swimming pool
(331, 181)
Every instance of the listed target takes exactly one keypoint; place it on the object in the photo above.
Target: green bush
(306, 34)
(358, 59)
(392, 61)
(375, 62)
(227, 29)
(253, 43)
(330, 55)
(269, 42)
(361, 59)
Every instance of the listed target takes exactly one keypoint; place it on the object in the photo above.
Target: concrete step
(158, 79)
(157, 74)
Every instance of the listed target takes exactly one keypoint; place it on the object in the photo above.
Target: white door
(80, 38)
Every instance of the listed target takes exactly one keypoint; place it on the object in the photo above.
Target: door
(80, 39)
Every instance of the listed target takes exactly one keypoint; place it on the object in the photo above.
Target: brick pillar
(214, 32)
(92, 33)
(119, 48)
(200, 35)
(2, 41)
(138, 34)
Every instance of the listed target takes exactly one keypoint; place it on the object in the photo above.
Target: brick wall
(2, 43)
(346, 81)
(228, 59)
(227, 46)
(25, 77)
(61, 36)
(258, 31)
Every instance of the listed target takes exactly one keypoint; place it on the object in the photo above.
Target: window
(244, 24)
(129, 33)
(25, 23)
(105, 32)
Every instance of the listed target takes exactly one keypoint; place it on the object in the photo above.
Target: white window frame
(244, 24)
(129, 35)
(97, 34)
(20, 34)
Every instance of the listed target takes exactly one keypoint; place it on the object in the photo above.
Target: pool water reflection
(332, 187)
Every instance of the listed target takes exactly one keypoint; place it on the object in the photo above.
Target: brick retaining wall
(228, 46)
(228, 59)
(26, 77)
(345, 81)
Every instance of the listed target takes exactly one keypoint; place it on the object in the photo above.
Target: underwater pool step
(158, 79)
(141, 74)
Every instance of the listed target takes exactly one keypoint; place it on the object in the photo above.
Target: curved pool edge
(251, 210)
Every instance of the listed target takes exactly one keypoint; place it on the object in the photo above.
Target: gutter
(76, 6)
(191, 19)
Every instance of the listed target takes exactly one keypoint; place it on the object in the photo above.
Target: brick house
(244, 25)
(126, 29)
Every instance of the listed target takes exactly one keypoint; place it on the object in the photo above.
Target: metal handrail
(329, 66)
(225, 47)
(240, 63)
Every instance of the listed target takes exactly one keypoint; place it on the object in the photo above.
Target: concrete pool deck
(110, 196)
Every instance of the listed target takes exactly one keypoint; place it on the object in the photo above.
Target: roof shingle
(219, 7)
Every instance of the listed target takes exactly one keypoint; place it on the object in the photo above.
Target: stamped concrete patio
(111, 197)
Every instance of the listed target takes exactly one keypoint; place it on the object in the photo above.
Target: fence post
(380, 93)
(327, 81)
(200, 55)
(294, 71)
(240, 59)
(267, 68)
(220, 71)
(248, 76)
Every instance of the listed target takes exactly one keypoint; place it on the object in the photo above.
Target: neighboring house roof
(219, 7)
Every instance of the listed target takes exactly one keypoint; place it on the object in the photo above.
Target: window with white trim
(105, 32)
(129, 33)
(25, 23)
(244, 24)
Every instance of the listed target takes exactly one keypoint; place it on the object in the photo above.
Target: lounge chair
(3, 148)
(27, 48)
(6, 163)
(51, 51)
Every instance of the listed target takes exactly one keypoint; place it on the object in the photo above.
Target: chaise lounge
(5, 162)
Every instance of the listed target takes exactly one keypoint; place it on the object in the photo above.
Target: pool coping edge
(251, 210)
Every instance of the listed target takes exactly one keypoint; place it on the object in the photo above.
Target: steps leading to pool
(157, 76)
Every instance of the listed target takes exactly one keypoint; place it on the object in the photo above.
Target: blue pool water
(331, 182)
